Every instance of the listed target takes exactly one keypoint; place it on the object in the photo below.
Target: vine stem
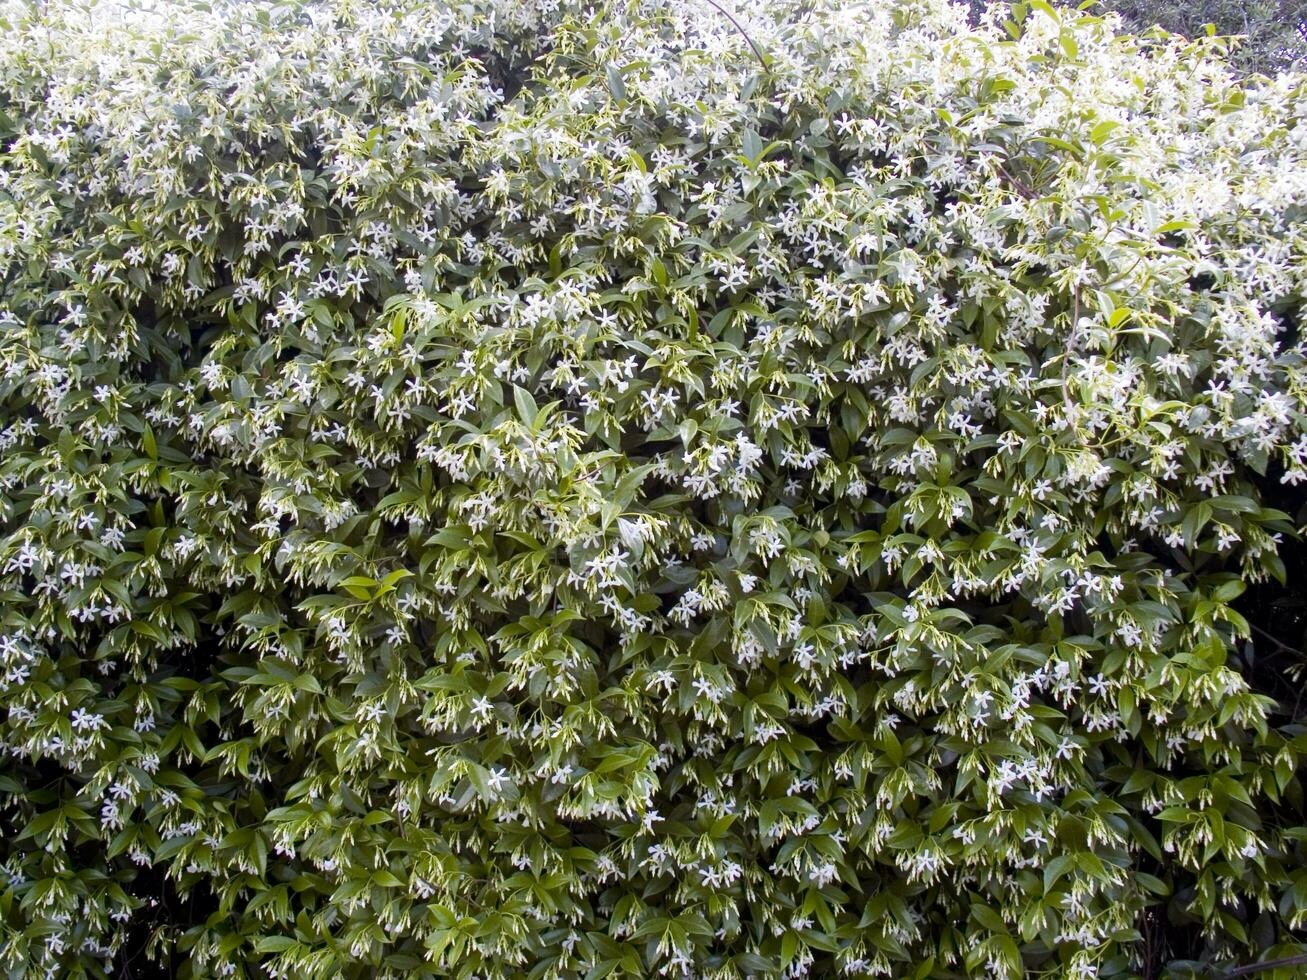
(1243, 971)
(1280, 644)
(1022, 189)
(743, 33)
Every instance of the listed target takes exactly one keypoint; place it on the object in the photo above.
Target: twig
(745, 34)
(1026, 192)
(1283, 646)
(1243, 971)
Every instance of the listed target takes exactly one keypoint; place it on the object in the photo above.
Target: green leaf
(525, 404)
(616, 85)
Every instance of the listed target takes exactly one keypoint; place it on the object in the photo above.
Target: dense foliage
(1271, 34)
(523, 489)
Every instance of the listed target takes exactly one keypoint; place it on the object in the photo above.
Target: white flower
(87, 721)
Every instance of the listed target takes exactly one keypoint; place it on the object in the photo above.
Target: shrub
(522, 489)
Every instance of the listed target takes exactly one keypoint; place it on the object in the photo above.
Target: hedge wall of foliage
(525, 489)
